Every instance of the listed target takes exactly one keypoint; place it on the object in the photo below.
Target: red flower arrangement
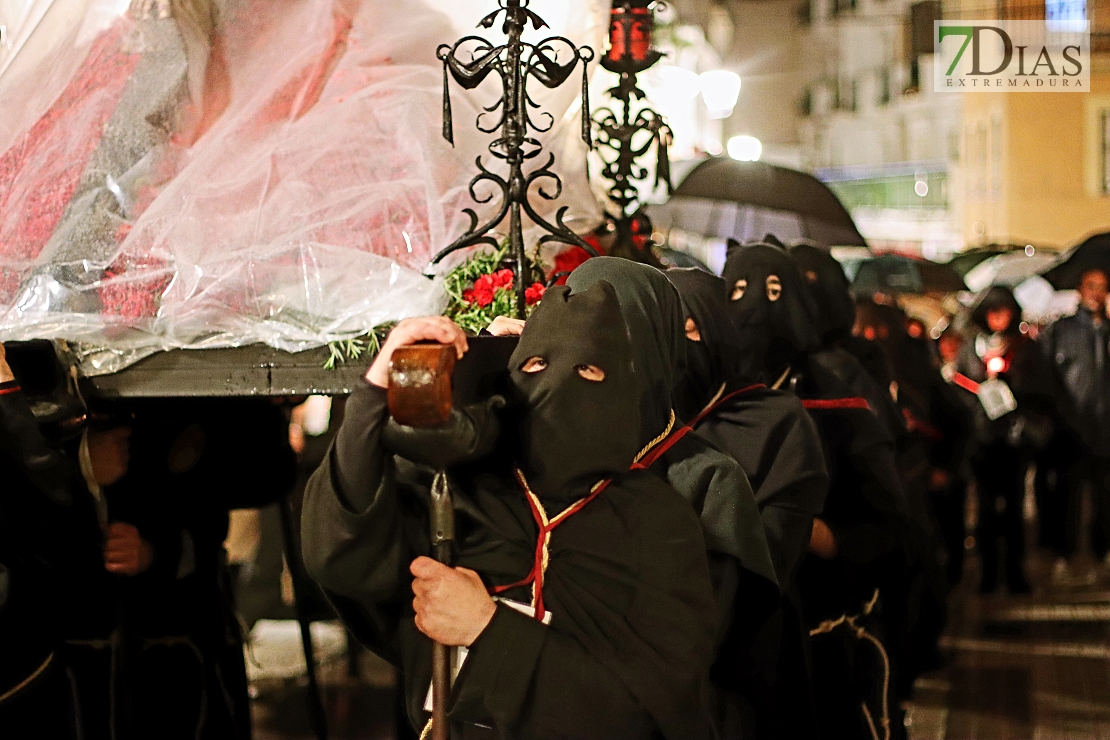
(481, 289)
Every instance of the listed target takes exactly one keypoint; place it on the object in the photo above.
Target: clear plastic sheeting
(207, 173)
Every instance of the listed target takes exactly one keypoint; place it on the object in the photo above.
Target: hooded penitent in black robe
(772, 436)
(629, 646)
(865, 508)
(869, 375)
(715, 484)
(931, 456)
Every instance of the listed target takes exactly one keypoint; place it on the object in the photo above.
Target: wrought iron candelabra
(623, 138)
(470, 61)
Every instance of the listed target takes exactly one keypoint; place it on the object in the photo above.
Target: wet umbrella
(724, 198)
(1092, 254)
(966, 261)
(1009, 269)
(895, 274)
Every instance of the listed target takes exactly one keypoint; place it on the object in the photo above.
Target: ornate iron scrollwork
(623, 138)
(469, 61)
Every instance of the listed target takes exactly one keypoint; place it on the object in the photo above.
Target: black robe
(628, 568)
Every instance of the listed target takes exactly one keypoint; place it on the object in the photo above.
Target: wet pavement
(1023, 667)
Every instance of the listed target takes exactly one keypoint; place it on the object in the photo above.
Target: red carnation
(503, 279)
(482, 293)
(533, 293)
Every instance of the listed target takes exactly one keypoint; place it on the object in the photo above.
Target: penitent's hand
(452, 606)
(410, 331)
(503, 326)
(6, 375)
(125, 552)
(822, 542)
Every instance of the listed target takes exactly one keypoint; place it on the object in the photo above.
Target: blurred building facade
(843, 88)
(873, 128)
(1035, 167)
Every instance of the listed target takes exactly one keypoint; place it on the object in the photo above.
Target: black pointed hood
(653, 315)
(715, 359)
(828, 286)
(576, 431)
(770, 304)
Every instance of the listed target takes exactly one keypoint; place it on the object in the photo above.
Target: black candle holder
(622, 139)
(470, 60)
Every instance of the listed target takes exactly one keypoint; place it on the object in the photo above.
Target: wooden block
(420, 384)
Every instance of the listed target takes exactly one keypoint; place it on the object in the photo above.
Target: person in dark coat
(192, 461)
(862, 543)
(1000, 356)
(1077, 348)
(773, 438)
(603, 627)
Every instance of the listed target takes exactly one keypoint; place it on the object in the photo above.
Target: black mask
(653, 314)
(828, 286)
(769, 300)
(716, 358)
(575, 431)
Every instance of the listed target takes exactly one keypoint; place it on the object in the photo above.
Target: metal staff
(420, 396)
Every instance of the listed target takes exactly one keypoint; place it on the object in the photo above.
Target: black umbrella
(1092, 254)
(724, 198)
(893, 274)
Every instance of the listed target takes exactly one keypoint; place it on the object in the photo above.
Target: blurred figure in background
(62, 551)
(194, 460)
(1076, 347)
(949, 505)
(1001, 366)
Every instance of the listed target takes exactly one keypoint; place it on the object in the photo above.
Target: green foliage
(344, 350)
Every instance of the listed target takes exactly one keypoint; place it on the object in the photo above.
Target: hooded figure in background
(773, 438)
(613, 635)
(835, 317)
(767, 431)
(862, 541)
(1006, 437)
(932, 455)
(711, 481)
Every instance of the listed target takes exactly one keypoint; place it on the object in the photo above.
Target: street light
(719, 89)
(745, 148)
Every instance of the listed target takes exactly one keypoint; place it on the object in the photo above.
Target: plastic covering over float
(208, 173)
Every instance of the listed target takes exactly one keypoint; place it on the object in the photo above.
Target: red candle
(630, 33)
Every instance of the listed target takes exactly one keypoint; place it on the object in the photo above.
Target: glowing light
(921, 188)
(720, 90)
(1029, 250)
(678, 83)
(996, 365)
(745, 148)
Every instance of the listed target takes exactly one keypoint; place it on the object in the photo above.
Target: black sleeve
(359, 530)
